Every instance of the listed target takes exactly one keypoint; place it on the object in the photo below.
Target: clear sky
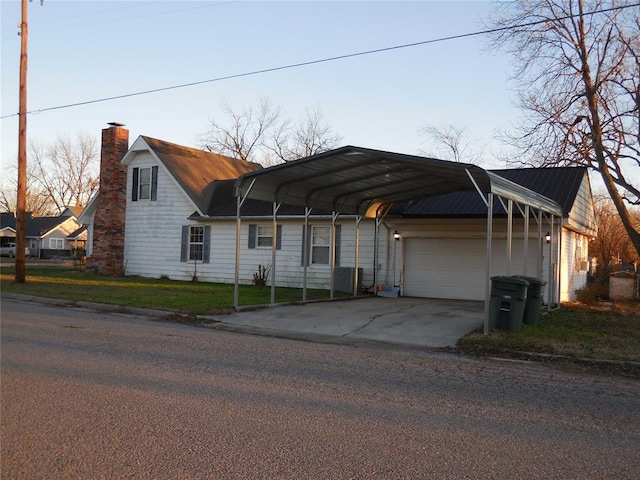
(87, 50)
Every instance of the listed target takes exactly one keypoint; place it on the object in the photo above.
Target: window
(316, 245)
(56, 243)
(196, 243)
(145, 184)
(261, 236)
(320, 245)
(265, 236)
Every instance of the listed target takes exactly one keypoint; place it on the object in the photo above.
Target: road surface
(90, 395)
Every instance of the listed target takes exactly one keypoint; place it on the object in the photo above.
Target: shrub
(262, 275)
(593, 293)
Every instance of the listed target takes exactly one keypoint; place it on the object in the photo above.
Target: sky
(80, 51)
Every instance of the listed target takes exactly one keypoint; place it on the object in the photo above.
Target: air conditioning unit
(343, 279)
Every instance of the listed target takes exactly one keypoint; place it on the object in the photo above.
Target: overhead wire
(315, 62)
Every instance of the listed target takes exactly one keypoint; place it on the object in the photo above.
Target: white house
(48, 237)
(182, 219)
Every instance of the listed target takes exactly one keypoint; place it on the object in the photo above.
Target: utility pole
(21, 202)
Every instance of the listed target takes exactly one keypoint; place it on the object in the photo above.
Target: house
(165, 210)
(47, 237)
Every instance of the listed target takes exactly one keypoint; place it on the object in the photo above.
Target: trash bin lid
(511, 280)
(532, 280)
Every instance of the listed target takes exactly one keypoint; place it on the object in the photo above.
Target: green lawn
(188, 298)
(575, 332)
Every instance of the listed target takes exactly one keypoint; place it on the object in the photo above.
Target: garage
(444, 268)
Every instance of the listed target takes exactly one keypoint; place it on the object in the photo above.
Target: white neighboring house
(49, 237)
(181, 223)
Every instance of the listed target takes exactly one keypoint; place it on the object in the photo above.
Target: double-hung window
(320, 245)
(196, 243)
(265, 236)
(144, 184)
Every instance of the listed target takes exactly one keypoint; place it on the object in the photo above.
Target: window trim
(136, 185)
(192, 243)
(56, 241)
(185, 244)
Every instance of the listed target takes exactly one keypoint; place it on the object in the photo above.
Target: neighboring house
(47, 237)
(179, 221)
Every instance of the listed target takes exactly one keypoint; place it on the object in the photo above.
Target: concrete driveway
(411, 321)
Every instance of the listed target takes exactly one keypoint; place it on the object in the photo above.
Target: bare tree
(244, 133)
(67, 171)
(59, 175)
(265, 135)
(312, 136)
(612, 243)
(578, 73)
(450, 142)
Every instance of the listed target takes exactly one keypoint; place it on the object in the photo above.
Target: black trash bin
(533, 305)
(507, 304)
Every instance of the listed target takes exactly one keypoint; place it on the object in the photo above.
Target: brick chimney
(108, 225)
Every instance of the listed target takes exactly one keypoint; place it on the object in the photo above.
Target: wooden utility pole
(21, 202)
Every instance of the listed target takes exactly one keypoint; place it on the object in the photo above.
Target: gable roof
(35, 226)
(356, 180)
(194, 170)
(561, 184)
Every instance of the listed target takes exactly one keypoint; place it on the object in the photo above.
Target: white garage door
(444, 268)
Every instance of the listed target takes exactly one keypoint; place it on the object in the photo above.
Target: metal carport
(364, 182)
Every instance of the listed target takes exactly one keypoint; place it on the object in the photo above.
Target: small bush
(593, 293)
(261, 276)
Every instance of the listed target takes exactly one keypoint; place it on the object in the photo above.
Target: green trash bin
(507, 303)
(533, 305)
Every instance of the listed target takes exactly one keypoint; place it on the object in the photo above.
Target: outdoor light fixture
(547, 237)
(396, 235)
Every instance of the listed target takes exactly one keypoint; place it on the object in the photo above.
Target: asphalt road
(89, 395)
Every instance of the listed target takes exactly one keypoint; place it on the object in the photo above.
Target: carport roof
(355, 180)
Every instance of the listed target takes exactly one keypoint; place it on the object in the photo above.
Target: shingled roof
(196, 170)
(34, 226)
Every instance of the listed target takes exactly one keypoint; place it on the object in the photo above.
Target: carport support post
(509, 234)
(355, 273)
(334, 215)
(525, 246)
(376, 253)
(487, 285)
(550, 273)
(540, 244)
(237, 276)
(305, 252)
(276, 207)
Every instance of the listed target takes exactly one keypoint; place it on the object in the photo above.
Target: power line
(318, 61)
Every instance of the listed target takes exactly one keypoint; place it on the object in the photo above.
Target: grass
(187, 298)
(605, 337)
(590, 337)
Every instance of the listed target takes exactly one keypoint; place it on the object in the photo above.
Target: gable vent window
(145, 184)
